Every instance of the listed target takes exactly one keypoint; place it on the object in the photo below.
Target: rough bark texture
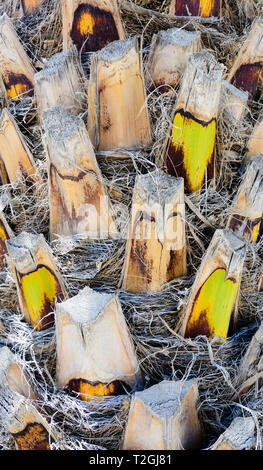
(78, 199)
(239, 436)
(61, 83)
(156, 247)
(95, 355)
(168, 57)
(164, 417)
(118, 116)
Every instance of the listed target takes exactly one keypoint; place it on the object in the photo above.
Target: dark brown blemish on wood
(119, 388)
(174, 157)
(104, 29)
(16, 80)
(236, 222)
(33, 437)
(176, 263)
(192, 8)
(247, 78)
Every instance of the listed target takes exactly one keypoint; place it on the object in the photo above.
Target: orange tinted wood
(29, 6)
(168, 57)
(78, 198)
(118, 116)
(204, 8)
(16, 161)
(246, 72)
(90, 24)
(16, 71)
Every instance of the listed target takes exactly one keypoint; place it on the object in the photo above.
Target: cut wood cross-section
(117, 114)
(90, 24)
(78, 199)
(168, 57)
(189, 147)
(164, 417)
(61, 83)
(29, 428)
(19, 416)
(12, 374)
(16, 72)
(156, 247)
(212, 306)
(247, 208)
(39, 285)
(233, 103)
(16, 160)
(239, 436)
(246, 72)
(95, 355)
(255, 143)
(204, 8)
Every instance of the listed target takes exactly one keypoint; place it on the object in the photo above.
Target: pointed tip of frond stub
(168, 57)
(39, 285)
(117, 114)
(250, 370)
(212, 306)
(12, 375)
(79, 204)
(233, 103)
(61, 83)
(239, 436)
(16, 72)
(255, 143)
(164, 417)
(95, 354)
(247, 208)
(156, 247)
(90, 24)
(30, 6)
(29, 428)
(202, 8)
(246, 72)
(16, 160)
(195, 117)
